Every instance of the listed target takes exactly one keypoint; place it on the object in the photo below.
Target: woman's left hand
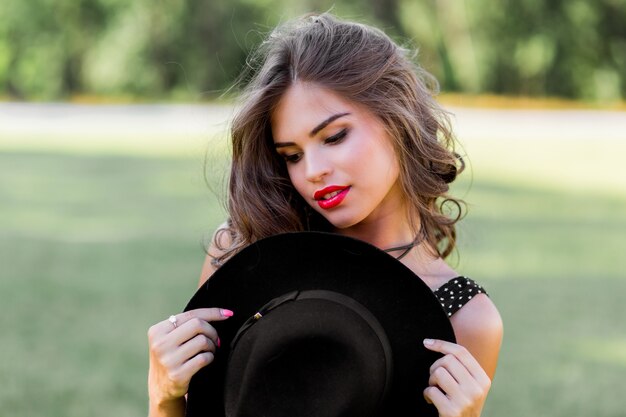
(458, 385)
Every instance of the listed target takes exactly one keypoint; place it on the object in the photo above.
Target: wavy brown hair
(363, 65)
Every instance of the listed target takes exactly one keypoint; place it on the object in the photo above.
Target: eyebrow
(316, 129)
(326, 122)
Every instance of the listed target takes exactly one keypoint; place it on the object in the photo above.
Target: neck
(386, 232)
(383, 239)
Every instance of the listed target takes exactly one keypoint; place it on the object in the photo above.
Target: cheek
(377, 161)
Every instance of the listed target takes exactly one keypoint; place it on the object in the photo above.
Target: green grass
(96, 248)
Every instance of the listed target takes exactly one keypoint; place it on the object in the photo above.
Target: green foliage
(556, 48)
(193, 49)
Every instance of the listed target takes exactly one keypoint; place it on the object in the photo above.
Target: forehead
(303, 106)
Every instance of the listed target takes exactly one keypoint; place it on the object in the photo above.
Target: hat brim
(403, 304)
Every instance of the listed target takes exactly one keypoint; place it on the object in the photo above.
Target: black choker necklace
(405, 248)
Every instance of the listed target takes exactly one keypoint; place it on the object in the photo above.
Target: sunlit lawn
(95, 248)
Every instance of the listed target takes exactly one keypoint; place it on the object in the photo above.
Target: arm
(178, 352)
(461, 379)
(478, 327)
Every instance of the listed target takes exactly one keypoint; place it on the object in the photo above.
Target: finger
(200, 343)
(206, 314)
(445, 381)
(458, 371)
(193, 328)
(181, 375)
(433, 395)
(196, 363)
(462, 354)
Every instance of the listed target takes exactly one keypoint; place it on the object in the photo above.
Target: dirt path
(51, 120)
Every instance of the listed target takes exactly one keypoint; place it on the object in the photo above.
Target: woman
(339, 132)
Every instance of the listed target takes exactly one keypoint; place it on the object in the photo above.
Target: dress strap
(455, 293)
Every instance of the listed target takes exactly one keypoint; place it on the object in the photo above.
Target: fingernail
(219, 343)
(429, 342)
(226, 313)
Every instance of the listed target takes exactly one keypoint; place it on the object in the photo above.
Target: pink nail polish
(219, 343)
(227, 313)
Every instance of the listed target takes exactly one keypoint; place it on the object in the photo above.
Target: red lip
(333, 201)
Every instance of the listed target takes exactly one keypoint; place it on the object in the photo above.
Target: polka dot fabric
(455, 293)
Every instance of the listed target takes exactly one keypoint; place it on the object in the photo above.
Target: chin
(341, 221)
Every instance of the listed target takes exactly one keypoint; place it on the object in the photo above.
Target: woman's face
(338, 155)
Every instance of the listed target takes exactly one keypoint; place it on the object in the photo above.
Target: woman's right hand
(178, 352)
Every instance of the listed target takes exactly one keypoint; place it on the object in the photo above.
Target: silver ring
(172, 319)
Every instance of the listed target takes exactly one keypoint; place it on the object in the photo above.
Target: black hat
(325, 325)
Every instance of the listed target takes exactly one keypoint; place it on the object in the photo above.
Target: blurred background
(186, 50)
(113, 164)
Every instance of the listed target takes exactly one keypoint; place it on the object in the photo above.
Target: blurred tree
(42, 44)
(558, 47)
(50, 49)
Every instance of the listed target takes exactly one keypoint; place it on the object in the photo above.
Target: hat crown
(300, 358)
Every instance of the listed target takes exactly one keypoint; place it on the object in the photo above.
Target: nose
(317, 166)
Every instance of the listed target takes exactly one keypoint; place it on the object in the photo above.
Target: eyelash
(331, 140)
(337, 137)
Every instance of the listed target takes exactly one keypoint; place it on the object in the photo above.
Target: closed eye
(296, 156)
(336, 138)
(292, 158)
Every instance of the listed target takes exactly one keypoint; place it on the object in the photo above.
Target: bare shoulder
(479, 328)
(208, 269)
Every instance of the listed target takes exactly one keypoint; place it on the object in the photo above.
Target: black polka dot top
(455, 293)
